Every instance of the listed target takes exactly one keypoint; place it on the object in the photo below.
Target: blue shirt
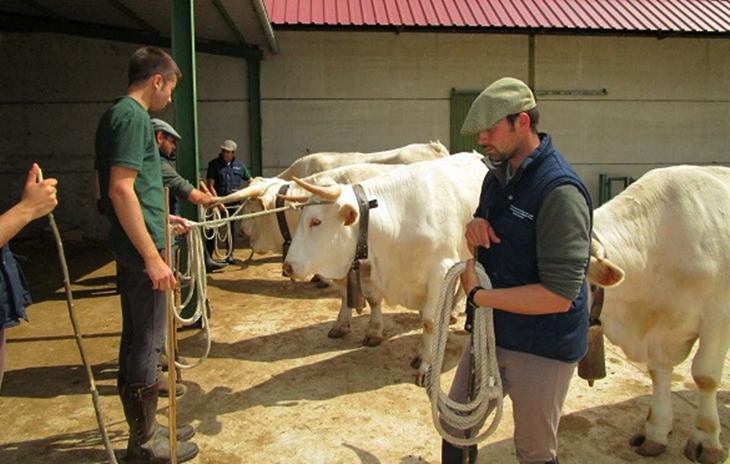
(227, 176)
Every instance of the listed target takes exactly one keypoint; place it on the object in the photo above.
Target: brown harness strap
(281, 220)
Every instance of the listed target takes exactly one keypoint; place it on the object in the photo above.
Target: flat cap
(229, 145)
(503, 97)
(158, 125)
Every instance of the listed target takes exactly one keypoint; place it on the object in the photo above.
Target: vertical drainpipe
(186, 114)
(254, 114)
(531, 61)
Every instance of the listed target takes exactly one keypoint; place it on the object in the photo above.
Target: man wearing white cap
(532, 233)
(226, 175)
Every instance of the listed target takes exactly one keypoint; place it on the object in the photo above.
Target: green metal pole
(186, 107)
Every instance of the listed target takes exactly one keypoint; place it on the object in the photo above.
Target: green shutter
(461, 101)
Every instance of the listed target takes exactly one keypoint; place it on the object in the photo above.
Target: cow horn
(329, 193)
(294, 199)
(252, 191)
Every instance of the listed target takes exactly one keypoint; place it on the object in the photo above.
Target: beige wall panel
(636, 68)
(655, 132)
(219, 121)
(355, 65)
(308, 126)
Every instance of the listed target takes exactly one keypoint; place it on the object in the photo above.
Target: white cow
(662, 253)
(415, 234)
(324, 161)
(265, 235)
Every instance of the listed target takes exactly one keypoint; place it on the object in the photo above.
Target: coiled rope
(193, 276)
(486, 382)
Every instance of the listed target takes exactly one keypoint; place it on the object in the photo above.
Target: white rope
(221, 232)
(194, 276)
(487, 384)
(194, 279)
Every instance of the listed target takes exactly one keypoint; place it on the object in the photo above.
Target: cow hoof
(416, 362)
(646, 447)
(338, 332)
(637, 440)
(420, 379)
(697, 452)
(371, 340)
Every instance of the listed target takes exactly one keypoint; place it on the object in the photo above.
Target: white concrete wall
(668, 101)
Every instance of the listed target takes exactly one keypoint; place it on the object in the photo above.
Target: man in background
(226, 175)
(180, 189)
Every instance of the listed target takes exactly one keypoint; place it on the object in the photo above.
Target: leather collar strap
(281, 218)
(597, 306)
(361, 252)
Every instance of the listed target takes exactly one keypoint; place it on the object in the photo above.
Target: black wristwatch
(472, 294)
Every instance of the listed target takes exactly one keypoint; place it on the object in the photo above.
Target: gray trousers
(537, 387)
(144, 320)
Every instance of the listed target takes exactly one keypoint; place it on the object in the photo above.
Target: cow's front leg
(343, 325)
(423, 360)
(375, 334)
(658, 425)
(703, 444)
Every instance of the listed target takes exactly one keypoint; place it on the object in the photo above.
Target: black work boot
(211, 265)
(451, 454)
(183, 432)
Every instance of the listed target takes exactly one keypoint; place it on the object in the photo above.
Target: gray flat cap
(160, 125)
(503, 97)
(229, 145)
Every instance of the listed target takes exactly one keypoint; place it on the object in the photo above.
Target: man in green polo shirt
(130, 181)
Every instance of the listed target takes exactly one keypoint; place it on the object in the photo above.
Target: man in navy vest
(532, 234)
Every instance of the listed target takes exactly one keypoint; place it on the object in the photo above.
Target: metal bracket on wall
(576, 93)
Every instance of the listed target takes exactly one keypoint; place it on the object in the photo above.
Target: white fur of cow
(415, 234)
(662, 254)
(324, 161)
(265, 235)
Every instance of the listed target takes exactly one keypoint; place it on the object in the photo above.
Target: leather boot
(211, 265)
(146, 446)
(183, 432)
(164, 384)
(163, 361)
(451, 454)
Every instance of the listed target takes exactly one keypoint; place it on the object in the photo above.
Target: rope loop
(450, 415)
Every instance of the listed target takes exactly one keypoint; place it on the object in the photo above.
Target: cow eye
(314, 223)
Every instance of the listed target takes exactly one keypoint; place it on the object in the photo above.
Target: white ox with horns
(324, 161)
(266, 236)
(661, 252)
(415, 234)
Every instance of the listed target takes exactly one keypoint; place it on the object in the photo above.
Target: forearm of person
(129, 213)
(197, 197)
(13, 221)
(530, 299)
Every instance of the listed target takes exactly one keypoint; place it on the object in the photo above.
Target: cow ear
(349, 214)
(604, 273)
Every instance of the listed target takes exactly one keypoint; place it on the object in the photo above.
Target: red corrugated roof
(661, 16)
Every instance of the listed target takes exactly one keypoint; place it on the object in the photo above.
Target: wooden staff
(171, 337)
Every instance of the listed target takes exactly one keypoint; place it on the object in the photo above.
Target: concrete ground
(274, 388)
